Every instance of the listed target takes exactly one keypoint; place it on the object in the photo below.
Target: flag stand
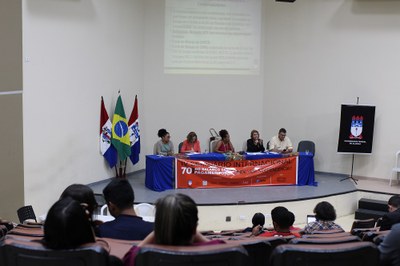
(121, 170)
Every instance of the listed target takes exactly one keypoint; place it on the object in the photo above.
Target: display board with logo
(356, 128)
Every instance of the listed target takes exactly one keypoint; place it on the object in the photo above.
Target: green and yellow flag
(120, 133)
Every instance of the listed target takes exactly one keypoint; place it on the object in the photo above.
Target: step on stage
(328, 185)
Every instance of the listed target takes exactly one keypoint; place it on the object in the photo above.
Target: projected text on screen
(212, 36)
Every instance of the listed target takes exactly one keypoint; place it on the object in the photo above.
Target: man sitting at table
(281, 143)
(127, 225)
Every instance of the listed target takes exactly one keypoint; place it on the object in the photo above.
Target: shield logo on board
(356, 127)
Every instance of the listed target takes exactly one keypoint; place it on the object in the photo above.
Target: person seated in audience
(390, 248)
(281, 143)
(257, 220)
(255, 144)
(191, 143)
(224, 145)
(68, 226)
(175, 224)
(283, 220)
(164, 146)
(393, 216)
(127, 225)
(83, 194)
(325, 216)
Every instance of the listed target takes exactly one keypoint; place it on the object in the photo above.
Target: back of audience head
(282, 218)
(67, 225)
(119, 196)
(324, 211)
(258, 219)
(82, 194)
(394, 203)
(176, 220)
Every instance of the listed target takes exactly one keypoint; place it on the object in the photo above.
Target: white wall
(320, 54)
(78, 51)
(317, 55)
(184, 103)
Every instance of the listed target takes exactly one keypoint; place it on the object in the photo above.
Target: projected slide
(212, 36)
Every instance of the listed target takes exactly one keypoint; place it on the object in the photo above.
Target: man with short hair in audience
(282, 220)
(393, 217)
(127, 225)
(281, 143)
(390, 248)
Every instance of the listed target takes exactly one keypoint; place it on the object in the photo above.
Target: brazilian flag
(120, 133)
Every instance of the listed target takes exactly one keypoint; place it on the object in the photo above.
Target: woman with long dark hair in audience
(68, 226)
(83, 194)
(175, 224)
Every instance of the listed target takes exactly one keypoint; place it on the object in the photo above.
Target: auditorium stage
(328, 185)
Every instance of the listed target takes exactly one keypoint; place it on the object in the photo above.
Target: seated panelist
(224, 145)
(255, 144)
(281, 143)
(164, 146)
(191, 144)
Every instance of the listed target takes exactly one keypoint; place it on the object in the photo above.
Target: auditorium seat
(259, 250)
(325, 240)
(26, 213)
(326, 234)
(345, 254)
(33, 253)
(211, 255)
(368, 223)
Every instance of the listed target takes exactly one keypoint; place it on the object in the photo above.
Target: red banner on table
(217, 174)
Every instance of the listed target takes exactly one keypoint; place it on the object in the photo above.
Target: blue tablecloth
(160, 170)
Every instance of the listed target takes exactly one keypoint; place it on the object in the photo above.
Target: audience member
(281, 143)
(282, 220)
(257, 220)
(390, 248)
(325, 216)
(68, 226)
(175, 224)
(393, 216)
(127, 225)
(82, 194)
(164, 146)
(191, 144)
(224, 145)
(255, 144)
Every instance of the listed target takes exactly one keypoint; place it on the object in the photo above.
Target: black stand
(352, 164)
(351, 173)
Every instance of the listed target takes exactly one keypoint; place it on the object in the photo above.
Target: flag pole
(125, 168)
(120, 169)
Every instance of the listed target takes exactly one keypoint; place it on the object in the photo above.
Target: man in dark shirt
(390, 248)
(127, 225)
(393, 216)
